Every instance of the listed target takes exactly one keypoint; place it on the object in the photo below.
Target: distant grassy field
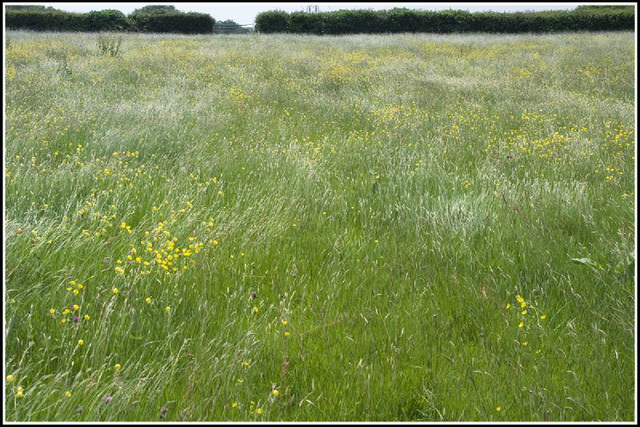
(300, 228)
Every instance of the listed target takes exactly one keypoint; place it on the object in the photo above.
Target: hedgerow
(400, 20)
(110, 20)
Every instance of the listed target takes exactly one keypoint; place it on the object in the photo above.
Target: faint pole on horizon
(313, 8)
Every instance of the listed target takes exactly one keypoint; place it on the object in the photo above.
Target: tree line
(167, 19)
(399, 20)
(152, 19)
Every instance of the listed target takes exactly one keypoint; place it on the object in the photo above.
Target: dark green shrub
(306, 23)
(170, 22)
(157, 9)
(46, 20)
(604, 9)
(107, 20)
(450, 21)
(30, 8)
(403, 21)
(341, 22)
(274, 21)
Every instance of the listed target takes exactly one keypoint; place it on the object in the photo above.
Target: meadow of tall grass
(301, 228)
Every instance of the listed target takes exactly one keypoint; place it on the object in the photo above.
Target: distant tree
(229, 27)
(607, 8)
(32, 8)
(172, 22)
(107, 20)
(157, 9)
(272, 21)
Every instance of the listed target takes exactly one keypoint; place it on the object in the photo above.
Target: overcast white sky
(245, 13)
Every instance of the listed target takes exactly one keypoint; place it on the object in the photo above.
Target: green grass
(386, 196)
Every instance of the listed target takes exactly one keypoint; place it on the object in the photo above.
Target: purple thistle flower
(76, 318)
(163, 411)
(254, 295)
(107, 399)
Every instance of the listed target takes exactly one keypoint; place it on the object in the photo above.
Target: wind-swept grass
(406, 227)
